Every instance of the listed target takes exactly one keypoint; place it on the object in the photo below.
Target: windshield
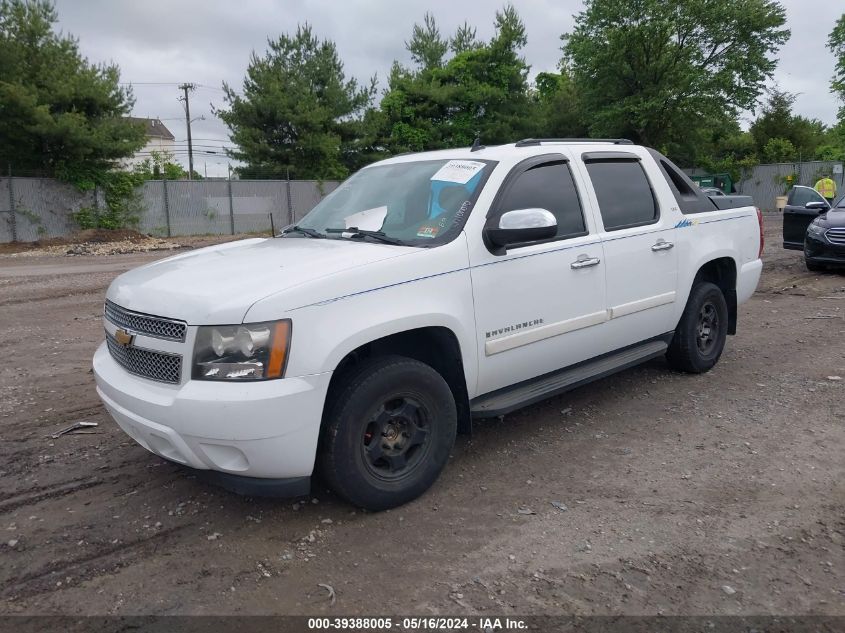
(419, 203)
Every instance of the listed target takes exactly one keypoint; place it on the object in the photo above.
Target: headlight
(816, 230)
(252, 351)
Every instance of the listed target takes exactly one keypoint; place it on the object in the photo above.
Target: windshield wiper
(354, 231)
(304, 231)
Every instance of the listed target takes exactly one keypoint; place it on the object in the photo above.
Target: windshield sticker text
(458, 171)
(459, 216)
(428, 231)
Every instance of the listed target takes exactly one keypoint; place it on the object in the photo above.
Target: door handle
(662, 245)
(585, 261)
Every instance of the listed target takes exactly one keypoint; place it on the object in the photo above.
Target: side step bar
(511, 398)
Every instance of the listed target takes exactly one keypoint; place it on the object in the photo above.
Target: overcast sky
(160, 43)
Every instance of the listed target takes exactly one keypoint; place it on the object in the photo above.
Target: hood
(834, 217)
(218, 284)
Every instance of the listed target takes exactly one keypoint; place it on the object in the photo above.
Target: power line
(222, 140)
(183, 152)
(167, 83)
(164, 148)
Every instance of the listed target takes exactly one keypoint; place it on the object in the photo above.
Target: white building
(159, 139)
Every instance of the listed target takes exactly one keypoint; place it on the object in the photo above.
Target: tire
(701, 333)
(388, 411)
(813, 268)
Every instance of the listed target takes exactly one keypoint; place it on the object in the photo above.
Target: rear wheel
(388, 432)
(701, 333)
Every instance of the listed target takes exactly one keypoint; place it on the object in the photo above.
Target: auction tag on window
(458, 171)
(368, 220)
(426, 230)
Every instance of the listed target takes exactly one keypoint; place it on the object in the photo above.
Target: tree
(298, 111)
(427, 47)
(660, 71)
(558, 109)
(833, 146)
(779, 150)
(777, 123)
(60, 115)
(464, 39)
(162, 165)
(836, 43)
(482, 90)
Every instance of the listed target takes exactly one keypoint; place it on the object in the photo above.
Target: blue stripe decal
(557, 250)
(363, 292)
(687, 222)
(510, 259)
(625, 237)
(736, 217)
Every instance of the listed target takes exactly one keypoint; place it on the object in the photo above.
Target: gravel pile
(102, 248)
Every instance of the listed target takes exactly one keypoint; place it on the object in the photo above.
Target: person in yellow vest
(826, 187)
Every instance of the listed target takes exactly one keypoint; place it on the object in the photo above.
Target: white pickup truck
(427, 290)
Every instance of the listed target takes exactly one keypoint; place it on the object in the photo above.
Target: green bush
(120, 194)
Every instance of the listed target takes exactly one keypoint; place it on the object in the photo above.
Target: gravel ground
(649, 492)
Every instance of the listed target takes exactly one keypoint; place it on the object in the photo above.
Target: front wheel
(388, 432)
(701, 333)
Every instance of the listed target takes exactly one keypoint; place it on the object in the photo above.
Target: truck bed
(731, 202)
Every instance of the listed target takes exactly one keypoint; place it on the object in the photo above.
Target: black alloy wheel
(396, 438)
(701, 333)
(388, 429)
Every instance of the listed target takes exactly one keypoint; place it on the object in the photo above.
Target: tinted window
(549, 186)
(689, 197)
(624, 193)
(799, 196)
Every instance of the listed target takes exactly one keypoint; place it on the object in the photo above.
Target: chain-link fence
(37, 208)
(766, 183)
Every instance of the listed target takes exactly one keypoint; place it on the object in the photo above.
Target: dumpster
(719, 181)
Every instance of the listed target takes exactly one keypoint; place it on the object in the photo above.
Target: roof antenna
(476, 144)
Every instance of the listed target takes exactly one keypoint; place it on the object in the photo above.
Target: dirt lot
(715, 494)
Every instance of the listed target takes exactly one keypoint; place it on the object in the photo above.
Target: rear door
(796, 215)
(638, 239)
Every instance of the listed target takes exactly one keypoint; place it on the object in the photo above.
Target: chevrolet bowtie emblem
(123, 337)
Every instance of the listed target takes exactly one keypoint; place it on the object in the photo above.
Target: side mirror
(818, 205)
(522, 225)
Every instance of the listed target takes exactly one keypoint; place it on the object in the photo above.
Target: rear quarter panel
(703, 237)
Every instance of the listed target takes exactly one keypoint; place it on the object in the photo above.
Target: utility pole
(186, 88)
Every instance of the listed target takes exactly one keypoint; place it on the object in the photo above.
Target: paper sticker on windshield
(458, 171)
(427, 230)
(368, 220)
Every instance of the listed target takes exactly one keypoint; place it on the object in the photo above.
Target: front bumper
(251, 430)
(820, 251)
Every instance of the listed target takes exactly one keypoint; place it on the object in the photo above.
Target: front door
(797, 217)
(539, 306)
(639, 249)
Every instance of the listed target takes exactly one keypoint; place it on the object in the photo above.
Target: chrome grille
(146, 363)
(836, 236)
(146, 324)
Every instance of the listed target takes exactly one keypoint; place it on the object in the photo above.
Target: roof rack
(526, 142)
